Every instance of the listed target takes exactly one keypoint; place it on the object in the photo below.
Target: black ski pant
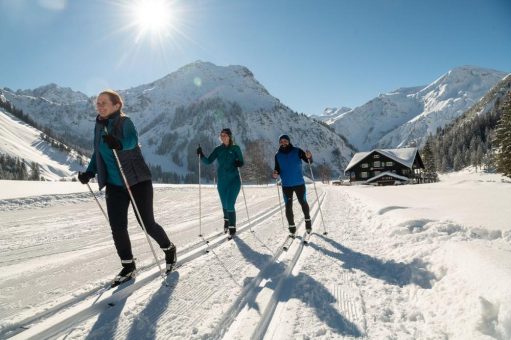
(288, 200)
(117, 203)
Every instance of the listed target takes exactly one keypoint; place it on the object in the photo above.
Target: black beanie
(227, 131)
(285, 137)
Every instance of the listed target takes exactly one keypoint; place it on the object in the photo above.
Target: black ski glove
(85, 177)
(199, 152)
(113, 143)
(238, 163)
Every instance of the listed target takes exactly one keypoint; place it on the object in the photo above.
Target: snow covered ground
(429, 261)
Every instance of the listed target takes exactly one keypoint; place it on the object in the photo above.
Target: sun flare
(152, 17)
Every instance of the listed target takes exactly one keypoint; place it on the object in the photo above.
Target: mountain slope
(470, 138)
(406, 116)
(187, 107)
(18, 139)
(330, 114)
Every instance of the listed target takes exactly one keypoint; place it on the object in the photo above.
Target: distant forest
(473, 139)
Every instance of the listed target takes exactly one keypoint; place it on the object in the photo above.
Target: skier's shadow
(394, 273)
(317, 297)
(106, 324)
(144, 324)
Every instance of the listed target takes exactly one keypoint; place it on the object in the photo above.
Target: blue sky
(309, 54)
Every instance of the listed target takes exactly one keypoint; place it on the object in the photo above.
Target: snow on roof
(357, 158)
(387, 173)
(405, 156)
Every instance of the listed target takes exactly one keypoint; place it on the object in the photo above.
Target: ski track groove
(266, 317)
(185, 302)
(250, 291)
(349, 302)
(347, 293)
(18, 327)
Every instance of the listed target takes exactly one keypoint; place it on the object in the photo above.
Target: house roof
(387, 173)
(405, 156)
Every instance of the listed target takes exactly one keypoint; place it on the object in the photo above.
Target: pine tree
(256, 168)
(35, 173)
(325, 172)
(430, 174)
(503, 139)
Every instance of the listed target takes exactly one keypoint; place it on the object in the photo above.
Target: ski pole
(280, 204)
(99, 205)
(200, 202)
(135, 207)
(245, 199)
(317, 197)
(200, 212)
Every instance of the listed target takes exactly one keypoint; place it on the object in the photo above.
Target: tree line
(15, 168)
(47, 133)
(482, 140)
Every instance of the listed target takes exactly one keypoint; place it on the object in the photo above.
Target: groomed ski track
(64, 320)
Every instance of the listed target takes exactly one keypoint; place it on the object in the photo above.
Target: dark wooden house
(386, 166)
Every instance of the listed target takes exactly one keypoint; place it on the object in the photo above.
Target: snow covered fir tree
(503, 138)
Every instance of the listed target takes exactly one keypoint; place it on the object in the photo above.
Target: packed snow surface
(429, 261)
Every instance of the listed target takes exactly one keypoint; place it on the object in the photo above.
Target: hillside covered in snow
(19, 140)
(187, 107)
(406, 116)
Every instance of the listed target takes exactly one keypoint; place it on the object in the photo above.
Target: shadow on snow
(394, 273)
(320, 299)
(144, 324)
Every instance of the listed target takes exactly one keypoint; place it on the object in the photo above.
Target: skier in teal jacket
(115, 132)
(229, 158)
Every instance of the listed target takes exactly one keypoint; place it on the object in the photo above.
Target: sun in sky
(153, 18)
(154, 28)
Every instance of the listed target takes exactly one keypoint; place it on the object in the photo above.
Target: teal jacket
(225, 156)
(103, 162)
(228, 177)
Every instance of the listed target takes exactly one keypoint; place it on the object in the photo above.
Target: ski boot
(308, 225)
(226, 225)
(170, 257)
(292, 231)
(127, 273)
(232, 232)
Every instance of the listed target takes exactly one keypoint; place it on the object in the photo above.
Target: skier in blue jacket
(229, 158)
(289, 166)
(115, 131)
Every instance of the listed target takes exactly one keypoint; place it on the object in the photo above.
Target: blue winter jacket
(289, 166)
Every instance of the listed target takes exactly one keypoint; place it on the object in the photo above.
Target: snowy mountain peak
(190, 106)
(330, 114)
(406, 116)
(199, 81)
(330, 111)
(55, 94)
(464, 79)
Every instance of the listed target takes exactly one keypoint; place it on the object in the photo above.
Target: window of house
(365, 165)
(405, 171)
(377, 164)
(389, 163)
(363, 174)
(376, 156)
